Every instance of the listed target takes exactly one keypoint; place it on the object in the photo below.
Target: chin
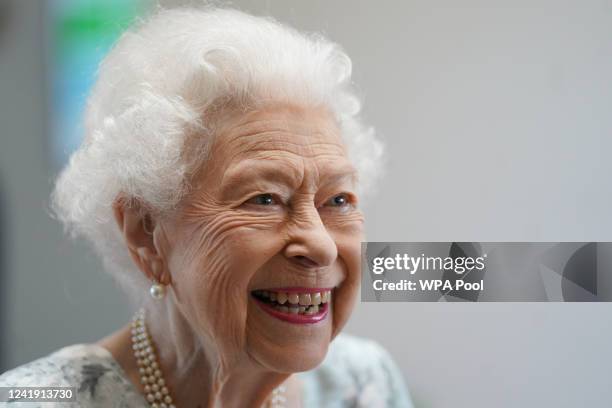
(292, 360)
(289, 337)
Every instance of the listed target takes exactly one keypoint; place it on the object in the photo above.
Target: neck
(195, 374)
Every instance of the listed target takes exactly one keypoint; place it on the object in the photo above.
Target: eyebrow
(337, 174)
(248, 170)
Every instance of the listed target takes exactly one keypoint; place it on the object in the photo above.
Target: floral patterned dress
(355, 373)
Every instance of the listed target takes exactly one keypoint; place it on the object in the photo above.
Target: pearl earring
(157, 291)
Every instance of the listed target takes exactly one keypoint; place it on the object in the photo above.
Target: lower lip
(295, 318)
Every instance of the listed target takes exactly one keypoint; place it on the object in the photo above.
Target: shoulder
(357, 372)
(61, 367)
(96, 378)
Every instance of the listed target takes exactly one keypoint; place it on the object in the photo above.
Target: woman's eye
(340, 200)
(263, 199)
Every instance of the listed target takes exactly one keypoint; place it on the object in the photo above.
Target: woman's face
(265, 256)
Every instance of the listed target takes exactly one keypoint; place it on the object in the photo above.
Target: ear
(137, 227)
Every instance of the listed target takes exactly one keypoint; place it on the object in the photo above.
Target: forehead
(279, 131)
(288, 137)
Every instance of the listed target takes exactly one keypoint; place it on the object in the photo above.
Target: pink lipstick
(298, 305)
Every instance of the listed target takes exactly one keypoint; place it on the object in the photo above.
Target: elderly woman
(218, 180)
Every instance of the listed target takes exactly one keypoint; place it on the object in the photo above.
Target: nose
(310, 245)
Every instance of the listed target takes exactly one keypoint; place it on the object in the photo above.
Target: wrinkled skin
(226, 240)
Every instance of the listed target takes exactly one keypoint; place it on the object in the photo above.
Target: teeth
(304, 299)
(312, 310)
(294, 303)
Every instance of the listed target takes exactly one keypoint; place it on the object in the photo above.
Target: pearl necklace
(156, 392)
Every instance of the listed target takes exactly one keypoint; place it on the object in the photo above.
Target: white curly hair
(159, 85)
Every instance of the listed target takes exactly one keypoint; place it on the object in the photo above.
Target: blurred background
(496, 115)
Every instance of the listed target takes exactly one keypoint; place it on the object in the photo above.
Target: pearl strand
(278, 398)
(156, 392)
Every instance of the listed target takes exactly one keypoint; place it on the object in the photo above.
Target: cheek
(253, 244)
(348, 234)
(348, 240)
(212, 271)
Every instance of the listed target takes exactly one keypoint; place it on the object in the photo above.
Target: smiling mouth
(295, 305)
